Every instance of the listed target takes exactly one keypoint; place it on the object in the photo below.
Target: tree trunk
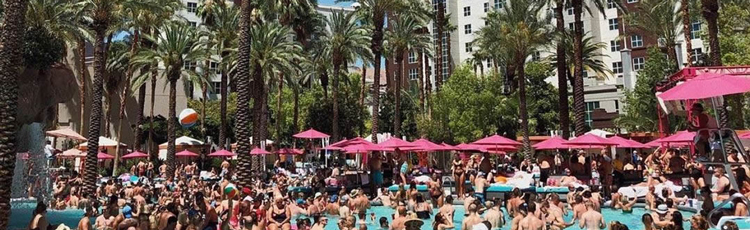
(397, 96)
(151, 153)
(223, 109)
(172, 122)
(439, 29)
(278, 109)
(522, 108)
(324, 83)
(363, 87)
(428, 87)
(421, 83)
(90, 173)
(82, 74)
(295, 117)
(124, 99)
(578, 94)
(481, 69)
(11, 53)
(388, 78)
(686, 31)
(710, 11)
(335, 94)
(243, 98)
(139, 119)
(562, 66)
(107, 110)
(376, 47)
(204, 99)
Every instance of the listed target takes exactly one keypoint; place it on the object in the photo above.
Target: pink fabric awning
(134, 155)
(259, 151)
(311, 134)
(590, 140)
(104, 156)
(552, 144)
(471, 147)
(395, 143)
(679, 137)
(186, 153)
(289, 151)
(221, 153)
(627, 143)
(425, 145)
(708, 85)
(497, 140)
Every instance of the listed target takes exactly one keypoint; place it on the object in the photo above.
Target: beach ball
(231, 191)
(188, 118)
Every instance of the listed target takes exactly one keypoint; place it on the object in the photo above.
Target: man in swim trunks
(591, 219)
(376, 172)
(531, 221)
(479, 186)
(472, 219)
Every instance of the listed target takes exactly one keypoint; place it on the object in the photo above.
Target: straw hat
(412, 222)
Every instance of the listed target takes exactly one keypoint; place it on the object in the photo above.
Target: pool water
(632, 220)
(20, 217)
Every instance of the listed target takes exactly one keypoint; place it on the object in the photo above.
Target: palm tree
(100, 14)
(176, 44)
(404, 37)
(243, 95)
(12, 39)
(206, 11)
(592, 56)
(562, 85)
(686, 30)
(345, 40)
(375, 11)
(521, 31)
(710, 12)
(659, 19)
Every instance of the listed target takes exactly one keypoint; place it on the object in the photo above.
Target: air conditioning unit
(662, 42)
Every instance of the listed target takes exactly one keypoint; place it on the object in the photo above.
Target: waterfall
(31, 139)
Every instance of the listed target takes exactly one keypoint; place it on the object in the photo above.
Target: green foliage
(641, 103)
(317, 111)
(213, 117)
(409, 112)
(734, 30)
(543, 101)
(41, 49)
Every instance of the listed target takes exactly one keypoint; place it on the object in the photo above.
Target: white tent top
(381, 137)
(600, 133)
(183, 141)
(103, 142)
(71, 153)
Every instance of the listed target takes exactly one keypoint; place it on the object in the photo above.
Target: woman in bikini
(279, 215)
(436, 190)
(458, 174)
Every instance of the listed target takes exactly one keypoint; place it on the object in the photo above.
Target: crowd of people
(211, 200)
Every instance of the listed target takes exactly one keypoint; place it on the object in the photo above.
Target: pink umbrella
(362, 148)
(497, 140)
(311, 134)
(471, 147)
(259, 151)
(289, 151)
(591, 141)
(221, 153)
(745, 136)
(104, 156)
(708, 85)
(552, 144)
(448, 147)
(654, 143)
(186, 153)
(679, 137)
(134, 155)
(627, 143)
(66, 133)
(425, 146)
(395, 143)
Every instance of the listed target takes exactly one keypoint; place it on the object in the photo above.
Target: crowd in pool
(211, 198)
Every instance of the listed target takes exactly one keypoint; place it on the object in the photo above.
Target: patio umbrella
(471, 147)
(66, 133)
(134, 155)
(708, 85)
(259, 151)
(311, 134)
(590, 140)
(104, 156)
(497, 140)
(103, 142)
(425, 145)
(448, 147)
(186, 153)
(394, 143)
(361, 148)
(627, 143)
(289, 151)
(679, 137)
(71, 153)
(552, 144)
(221, 153)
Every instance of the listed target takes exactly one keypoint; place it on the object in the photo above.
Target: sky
(333, 2)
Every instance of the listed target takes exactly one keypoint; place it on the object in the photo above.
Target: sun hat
(661, 209)
(353, 193)
(318, 194)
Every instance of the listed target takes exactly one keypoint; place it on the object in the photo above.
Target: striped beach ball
(188, 118)
(231, 190)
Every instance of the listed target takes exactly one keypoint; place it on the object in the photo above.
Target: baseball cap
(127, 211)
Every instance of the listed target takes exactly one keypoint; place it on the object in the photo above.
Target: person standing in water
(591, 219)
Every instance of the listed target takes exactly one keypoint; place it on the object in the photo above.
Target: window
(697, 53)
(570, 10)
(632, 1)
(617, 67)
(216, 87)
(614, 46)
(590, 107)
(499, 4)
(585, 74)
(192, 7)
(571, 26)
(213, 67)
(193, 24)
(188, 65)
(467, 29)
(486, 6)
(613, 25)
(468, 47)
(535, 56)
(695, 30)
(486, 23)
(610, 4)
(413, 74)
(639, 63)
(636, 41)
(489, 63)
(467, 11)
(412, 57)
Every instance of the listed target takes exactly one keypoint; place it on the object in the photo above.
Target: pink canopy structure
(186, 153)
(66, 133)
(497, 140)
(745, 136)
(708, 85)
(135, 155)
(679, 137)
(590, 141)
(471, 147)
(311, 134)
(552, 144)
(221, 153)
(394, 143)
(289, 151)
(448, 147)
(104, 156)
(627, 143)
(362, 147)
(424, 145)
(259, 151)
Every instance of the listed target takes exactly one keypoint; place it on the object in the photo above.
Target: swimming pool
(632, 220)
(21, 214)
